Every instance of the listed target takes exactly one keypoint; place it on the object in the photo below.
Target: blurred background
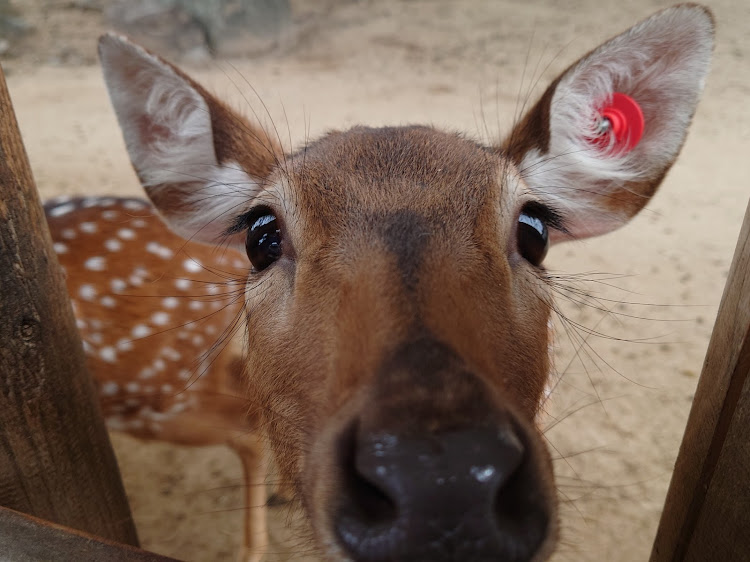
(616, 420)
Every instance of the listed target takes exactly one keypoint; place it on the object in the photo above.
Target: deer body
(157, 316)
(396, 307)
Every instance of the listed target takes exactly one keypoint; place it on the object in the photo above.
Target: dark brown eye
(263, 242)
(533, 238)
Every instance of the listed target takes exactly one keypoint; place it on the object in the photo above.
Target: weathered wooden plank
(56, 461)
(28, 539)
(706, 515)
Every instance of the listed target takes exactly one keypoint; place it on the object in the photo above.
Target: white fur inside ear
(662, 63)
(167, 128)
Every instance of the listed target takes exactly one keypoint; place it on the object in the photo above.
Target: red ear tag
(623, 119)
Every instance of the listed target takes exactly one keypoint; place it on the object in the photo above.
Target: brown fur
(195, 399)
(424, 264)
(401, 303)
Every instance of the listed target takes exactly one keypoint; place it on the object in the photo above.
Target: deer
(396, 306)
(157, 317)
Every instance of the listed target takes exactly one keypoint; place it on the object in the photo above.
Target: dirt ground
(458, 65)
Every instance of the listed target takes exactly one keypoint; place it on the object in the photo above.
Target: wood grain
(706, 514)
(56, 461)
(30, 539)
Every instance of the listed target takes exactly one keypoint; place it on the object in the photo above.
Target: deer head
(397, 305)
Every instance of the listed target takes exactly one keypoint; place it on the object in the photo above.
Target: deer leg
(249, 447)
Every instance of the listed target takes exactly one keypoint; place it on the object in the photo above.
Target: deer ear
(661, 63)
(198, 161)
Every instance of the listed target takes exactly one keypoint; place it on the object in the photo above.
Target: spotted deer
(157, 316)
(396, 306)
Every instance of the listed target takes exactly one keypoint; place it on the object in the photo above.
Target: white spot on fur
(146, 373)
(118, 285)
(88, 227)
(110, 215)
(126, 233)
(141, 331)
(68, 233)
(96, 338)
(61, 210)
(170, 302)
(108, 354)
(60, 248)
(109, 388)
(167, 388)
(139, 223)
(159, 250)
(160, 318)
(133, 387)
(124, 345)
(195, 305)
(108, 301)
(198, 340)
(113, 245)
(171, 354)
(159, 364)
(192, 265)
(97, 263)
(178, 408)
(184, 374)
(182, 284)
(133, 205)
(80, 324)
(87, 292)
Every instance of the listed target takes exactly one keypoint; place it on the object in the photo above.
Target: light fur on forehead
(166, 124)
(662, 63)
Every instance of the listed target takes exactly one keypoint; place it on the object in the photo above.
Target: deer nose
(461, 495)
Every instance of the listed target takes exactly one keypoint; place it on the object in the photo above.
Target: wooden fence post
(56, 461)
(27, 539)
(706, 515)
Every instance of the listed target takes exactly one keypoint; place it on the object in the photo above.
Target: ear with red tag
(600, 140)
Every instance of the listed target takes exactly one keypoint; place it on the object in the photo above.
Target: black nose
(463, 495)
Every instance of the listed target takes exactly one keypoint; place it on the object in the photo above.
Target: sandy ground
(461, 65)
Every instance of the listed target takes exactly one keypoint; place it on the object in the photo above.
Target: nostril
(509, 501)
(521, 514)
(366, 511)
(374, 505)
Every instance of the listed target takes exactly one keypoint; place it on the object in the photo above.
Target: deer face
(428, 327)
(397, 310)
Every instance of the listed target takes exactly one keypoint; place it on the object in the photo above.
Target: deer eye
(532, 236)
(264, 242)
